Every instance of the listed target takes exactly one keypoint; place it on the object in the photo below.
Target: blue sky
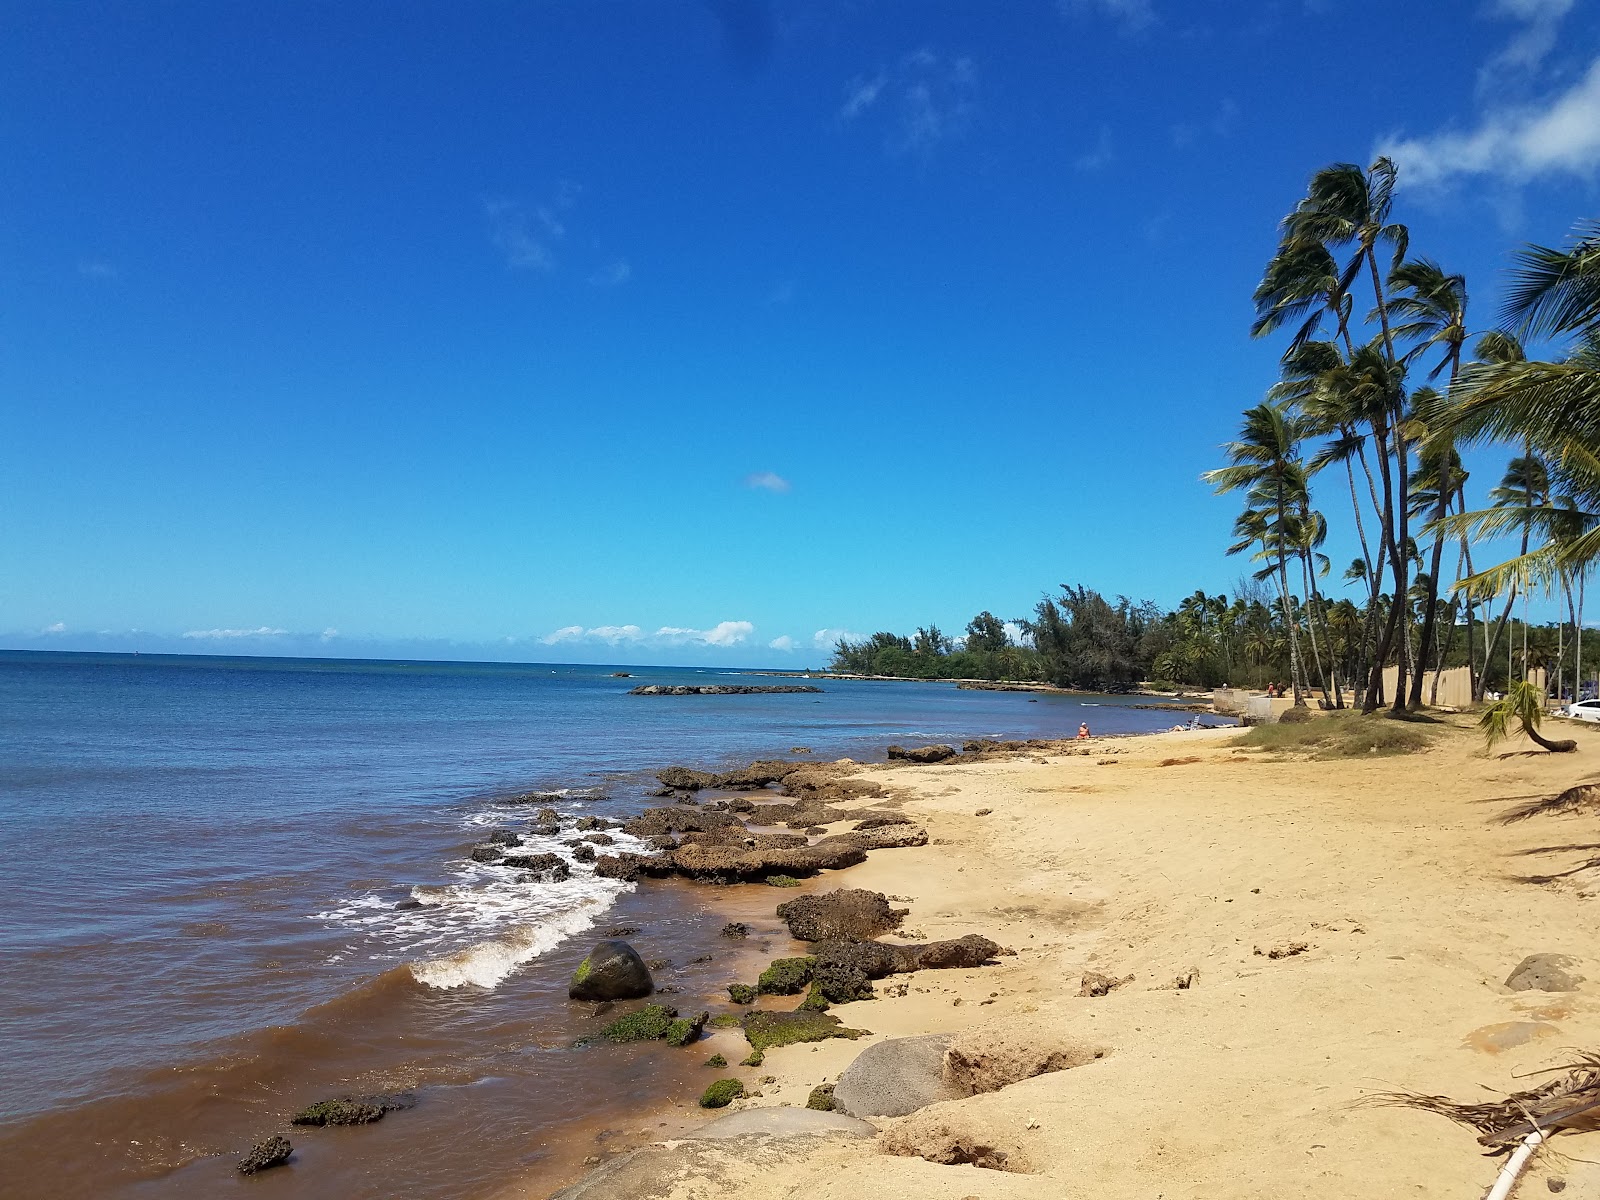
(669, 331)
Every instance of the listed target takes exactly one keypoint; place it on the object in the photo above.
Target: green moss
(754, 1059)
(582, 972)
(716, 1060)
(686, 1029)
(741, 993)
(786, 976)
(643, 1025)
(764, 1030)
(721, 1093)
(782, 881)
(821, 1098)
(815, 1001)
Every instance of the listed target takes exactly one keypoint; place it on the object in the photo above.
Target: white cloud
(612, 274)
(567, 633)
(826, 639)
(1527, 50)
(329, 634)
(767, 480)
(1516, 145)
(1132, 15)
(225, 634)
(924, 99)
(58, 627)
(615, 634)
(724, 633)
(527, 236)
(784, 643)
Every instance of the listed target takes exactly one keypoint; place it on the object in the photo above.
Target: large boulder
(612, 971)
(896, 1077)
(1545, 973)
(847, 914)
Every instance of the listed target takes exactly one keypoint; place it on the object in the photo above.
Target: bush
(1341, 735)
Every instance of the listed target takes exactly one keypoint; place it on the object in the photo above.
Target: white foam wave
(487, 963)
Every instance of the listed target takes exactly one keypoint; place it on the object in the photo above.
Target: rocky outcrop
(547, 868)
(1545, 973)
(764, 1030)
(352, 1110)
(612, 971)
(845, 915)
(677, 819)
(921, 754)
(729, 864)
(888, 837)
(684, 779)
(719, 689)
(896, 1077)
(881, 821)
(645, 1024)
(844, 970)
(271, 1153)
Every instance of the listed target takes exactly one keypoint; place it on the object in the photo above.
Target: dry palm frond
(1571, 1102)
(1585, 795)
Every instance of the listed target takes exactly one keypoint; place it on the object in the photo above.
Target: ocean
(238, 885)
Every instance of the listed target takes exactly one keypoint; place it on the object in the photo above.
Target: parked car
(1583, 710)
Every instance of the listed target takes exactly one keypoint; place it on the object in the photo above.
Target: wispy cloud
(826, 639)
(526, 235)
(58, 627)
(769, 481)
(97, 268)
(613, 274)
(1099, 157)
(1526, 51)
(1558, 136)
(1187, 133)
(724, 633)
(265, 631)
(1130, 15)
(920, 101)
(784, 643)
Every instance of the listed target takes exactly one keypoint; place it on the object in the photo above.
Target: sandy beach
(1345, 929)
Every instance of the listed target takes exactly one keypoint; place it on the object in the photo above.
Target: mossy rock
(643, 1025)
(782, 881)
(686, 1029)
(821, 1098)
(764, 1030)
(339, 1112)
(725, 1021)
(741, 993)
(815, 1001)
(721, 1093)
(786, 976)
(754, 1059)
(716, 1060)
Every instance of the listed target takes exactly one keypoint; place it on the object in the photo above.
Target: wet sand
(1395, 901)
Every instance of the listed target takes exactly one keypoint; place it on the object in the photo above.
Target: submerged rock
(352, 1110)
(642, 1025)
(612, 971)
(686, 1029)
(846, 914)
(736, 929)
(271, 1153)
(716, 689)
(503, 837)
(583, 852)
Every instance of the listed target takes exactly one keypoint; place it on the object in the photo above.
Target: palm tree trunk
(1380, 432)
(1311, 625)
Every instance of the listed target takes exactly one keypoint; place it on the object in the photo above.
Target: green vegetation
(782, 881)
(741, 993)
(815, 1001)
(729, 1020)
(786, 976)
(716, 1060)
(1341, 735)
(821, 1098)
(721, 1093)
(642, 1025)
(764, 1030)
(754, 1059)
(686, 1029)
(1524, 704)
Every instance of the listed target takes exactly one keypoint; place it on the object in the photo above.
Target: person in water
(1083, 730)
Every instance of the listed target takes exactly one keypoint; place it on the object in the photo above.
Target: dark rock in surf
(487, 854)
(599, 839)
(271, 1153)
(736, 929)
(503, 837)
(352, 1110)
(587, 823)
(921, 754)
(756, 775)
(583, 852)
(718, 689)
(612, 971)
(683, 779)
(548, 868)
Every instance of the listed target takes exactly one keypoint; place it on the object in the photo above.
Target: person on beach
(1083, 731)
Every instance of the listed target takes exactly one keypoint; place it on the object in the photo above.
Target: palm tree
(1523, 703)
(1265, 463)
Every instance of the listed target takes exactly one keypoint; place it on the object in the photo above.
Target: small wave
(487, 963)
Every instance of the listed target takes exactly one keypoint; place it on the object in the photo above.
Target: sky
(688, 331)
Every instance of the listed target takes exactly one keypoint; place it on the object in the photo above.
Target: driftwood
(1570, 1103)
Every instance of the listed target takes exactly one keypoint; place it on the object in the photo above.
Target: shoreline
(1150, 866)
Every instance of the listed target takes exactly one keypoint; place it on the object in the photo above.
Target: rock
(846, 914)
(503, 837)
(882, 821)
(721, 1093)
(786, 976)
(782, 1122)
(843, 970)
(352, 1110)
(621, 931)
(988, 1057)
(961, 1134)
(686, 1029)
(612, 971)
(729, 864)
(716, 1060)
(600, 839)
(684, 779)
(544, 829)
(678, 819)
(921, 754)
(741, 993)
(821, 1098)
(273, 1152)
(756, 775)
(586, 823)
(550, 868)
(764, 1029)
(1096, 984)
(896, 1077)
(642, 1025)
(583, 852)
(783, 881)
(1545, 973)
(629, 867)
(736, 929)
(486, 854)
(887, 838)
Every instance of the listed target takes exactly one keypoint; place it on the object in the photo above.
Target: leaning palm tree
(1523, 703)
(1265, 463)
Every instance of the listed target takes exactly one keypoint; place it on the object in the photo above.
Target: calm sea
(204, 859)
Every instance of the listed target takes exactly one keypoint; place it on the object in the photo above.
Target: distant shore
(1277, 939)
